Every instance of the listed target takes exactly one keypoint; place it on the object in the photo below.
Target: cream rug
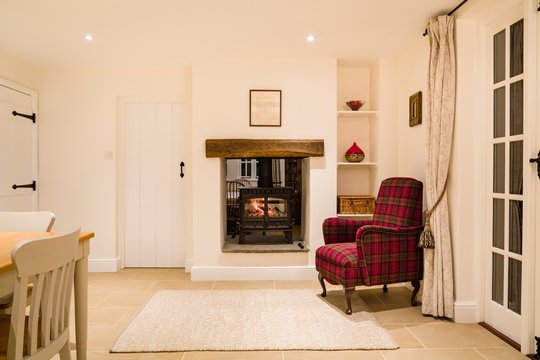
(269, 319)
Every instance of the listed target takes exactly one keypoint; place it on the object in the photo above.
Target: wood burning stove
(265, 208)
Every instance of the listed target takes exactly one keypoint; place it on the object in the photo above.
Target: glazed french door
(507, 185)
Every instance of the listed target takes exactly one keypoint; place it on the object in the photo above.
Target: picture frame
(415, 109)
(265, 108)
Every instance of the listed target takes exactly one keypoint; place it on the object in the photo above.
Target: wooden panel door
(153, 188)
(18, 148)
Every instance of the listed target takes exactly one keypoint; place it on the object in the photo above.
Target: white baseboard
(465, 312)
(104, 265)
(216, 273)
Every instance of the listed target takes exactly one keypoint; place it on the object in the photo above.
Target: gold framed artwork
(265, 108)
(415, 109)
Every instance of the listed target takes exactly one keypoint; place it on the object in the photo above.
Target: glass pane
(499, 111)
(277, 207)
(514, 285)
(498, 223)
(515, 212)
(516, 167)
(254, 208)
(516, 48)
(498, 56)
(498, 168)
(516, 108)
(497, 280)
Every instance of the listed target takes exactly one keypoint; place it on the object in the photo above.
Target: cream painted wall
(220, 110)
(18, 72)
(411, 77)
(78, 126)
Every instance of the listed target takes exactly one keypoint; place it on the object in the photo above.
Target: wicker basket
(355, 204)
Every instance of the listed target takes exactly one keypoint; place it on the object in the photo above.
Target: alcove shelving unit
(355, 178)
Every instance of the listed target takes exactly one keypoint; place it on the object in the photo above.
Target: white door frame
(120, 173)
(35, 151)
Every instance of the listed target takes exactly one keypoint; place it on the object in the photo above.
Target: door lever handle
(182, 169)
(537, 161)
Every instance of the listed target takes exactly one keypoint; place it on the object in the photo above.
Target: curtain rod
(450, 13)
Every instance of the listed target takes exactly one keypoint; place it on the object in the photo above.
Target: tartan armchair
(380, 251)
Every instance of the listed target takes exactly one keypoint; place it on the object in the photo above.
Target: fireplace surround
(264, 208)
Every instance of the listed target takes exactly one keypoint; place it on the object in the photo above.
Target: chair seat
(338, 263)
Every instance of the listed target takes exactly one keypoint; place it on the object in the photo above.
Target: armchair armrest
(388, 255)
(340, 230)
(367, 229)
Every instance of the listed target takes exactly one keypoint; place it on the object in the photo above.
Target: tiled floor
(115, 298)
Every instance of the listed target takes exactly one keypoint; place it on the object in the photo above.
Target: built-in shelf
(354, 215)
(358, 113)
(356, 164)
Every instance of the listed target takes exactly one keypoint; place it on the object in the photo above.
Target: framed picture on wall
(415, 109)
(265, 108)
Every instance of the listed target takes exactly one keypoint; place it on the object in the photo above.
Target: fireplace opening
(264, 201)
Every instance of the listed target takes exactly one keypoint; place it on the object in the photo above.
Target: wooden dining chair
(26, 220)
(42, 330)
(23, 221)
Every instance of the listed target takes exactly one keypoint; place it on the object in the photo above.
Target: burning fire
(256, 209)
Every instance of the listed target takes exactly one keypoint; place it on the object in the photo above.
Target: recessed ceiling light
(310, 38)
(88, 37)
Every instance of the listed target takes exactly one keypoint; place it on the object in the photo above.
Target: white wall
(78, 125)
(221, 110)
(18, 72)
(411, 77)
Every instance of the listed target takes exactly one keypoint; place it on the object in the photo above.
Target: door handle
(537, 161)
(30, 186)
(182, 169)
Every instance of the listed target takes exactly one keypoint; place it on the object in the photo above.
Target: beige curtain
(438, 290)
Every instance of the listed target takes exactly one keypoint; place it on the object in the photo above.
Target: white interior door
(18, 148)
(154, 212)
(510, 233)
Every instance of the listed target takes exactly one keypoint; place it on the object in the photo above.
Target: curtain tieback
(427, 241)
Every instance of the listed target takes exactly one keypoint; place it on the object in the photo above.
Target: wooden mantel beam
(258, 148)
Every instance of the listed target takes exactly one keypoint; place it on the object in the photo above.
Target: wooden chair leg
(416, 286)
(321, 280)
(348, 295)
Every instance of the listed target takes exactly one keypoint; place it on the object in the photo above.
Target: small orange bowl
(355, 104)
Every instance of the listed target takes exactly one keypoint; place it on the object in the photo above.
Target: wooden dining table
(7, 278)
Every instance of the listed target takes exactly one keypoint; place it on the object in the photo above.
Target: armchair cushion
(339, 264)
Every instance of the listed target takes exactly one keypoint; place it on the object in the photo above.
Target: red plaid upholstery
(338, 230)
(399, 203)
(390, 255)
(339, 263)
(382, 251)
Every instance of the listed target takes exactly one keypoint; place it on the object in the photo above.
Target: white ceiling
(169, 32)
